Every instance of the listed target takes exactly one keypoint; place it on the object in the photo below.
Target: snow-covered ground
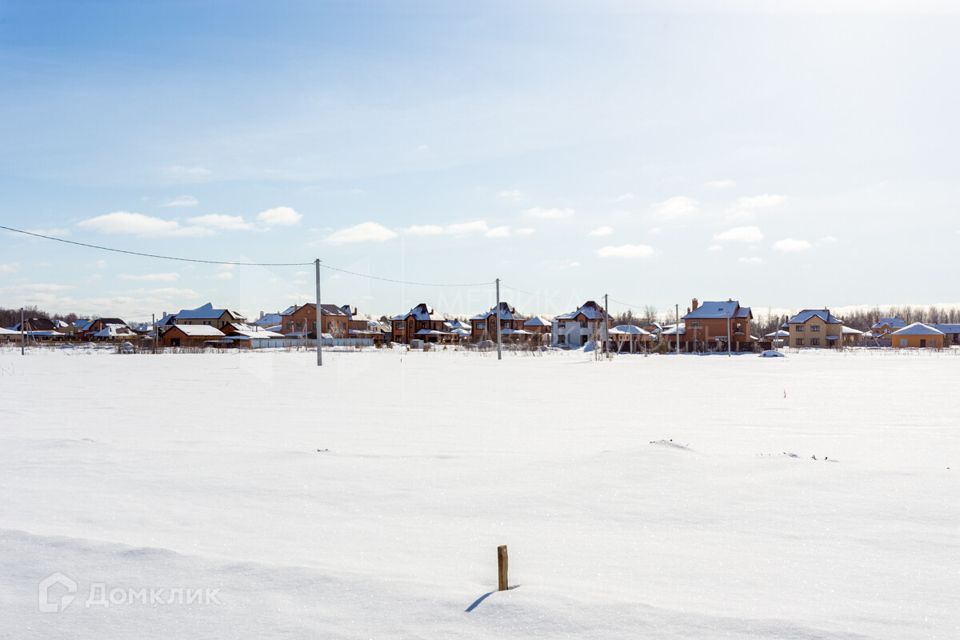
(659, 497)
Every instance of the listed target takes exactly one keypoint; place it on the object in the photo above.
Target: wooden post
(502, 584)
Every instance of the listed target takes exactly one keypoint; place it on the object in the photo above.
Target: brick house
(483, 326)
(424, 323)
(189, 335)
(712, 325)
(301, 322)
(203, 315)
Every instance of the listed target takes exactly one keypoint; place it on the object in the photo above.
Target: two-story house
(587, 323)
(717, 326)
(815, 328)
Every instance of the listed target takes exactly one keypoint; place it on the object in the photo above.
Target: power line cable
(156, 255)
(243, 264)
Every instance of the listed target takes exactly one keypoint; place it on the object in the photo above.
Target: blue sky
(789, 159)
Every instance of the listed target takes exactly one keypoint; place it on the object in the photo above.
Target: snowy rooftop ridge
(917, 329)
(718, 309)
(807, 314)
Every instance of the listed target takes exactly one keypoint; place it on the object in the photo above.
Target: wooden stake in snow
(502, 568)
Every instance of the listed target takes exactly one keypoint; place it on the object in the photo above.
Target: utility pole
(316, 264)
(499, 353)
(676, 328)
(729, 347)
(23, 334)
(156, 331)
(606, 323)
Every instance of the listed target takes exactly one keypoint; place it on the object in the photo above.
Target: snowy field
(367, 499)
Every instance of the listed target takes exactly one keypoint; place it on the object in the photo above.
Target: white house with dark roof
(575, 329)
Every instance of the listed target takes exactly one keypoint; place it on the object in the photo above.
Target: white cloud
(600, 231)
(466, 228)
(279, 217)
(555, 213)
(425, 230)
(750, 260)
(720, 184)
(499, 232)
(224, 275)
(828, 240)
(363, 232)
(676, 207)
(791, 245)
(740, 234)
(473, 227)
(9, 268)
(182, 201)
(138, 224)
(152, 277)
(626, 251)
(624, 197)
(221, 222)
(715, 247)
(749, 205)
(100, 264)
(513, 195)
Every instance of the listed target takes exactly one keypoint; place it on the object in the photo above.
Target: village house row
(713, 326)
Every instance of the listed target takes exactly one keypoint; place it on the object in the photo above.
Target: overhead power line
(156, 255)
(242, 264)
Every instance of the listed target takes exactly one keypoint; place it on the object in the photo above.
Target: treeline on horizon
(861, 319)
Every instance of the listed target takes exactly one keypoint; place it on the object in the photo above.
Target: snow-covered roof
(537, 321)
(780, 333)
(113, 330)
(892, 322)
(917, 329)
(629, 329)
(82, 323)
(807, 314)
(590, 310)
(713, 309)
(671, 330)
(199, 330)
(945, 327)
(515, 332)
(850, 331)
(203, 312)
(269, 319)
(8, 332)
(433, 332)
(506, 312)
(251, 331)
(421, 313)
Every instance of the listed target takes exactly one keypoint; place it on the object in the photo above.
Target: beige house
(815, 328)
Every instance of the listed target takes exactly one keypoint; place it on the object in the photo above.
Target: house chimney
(694, 304)
(261, 315)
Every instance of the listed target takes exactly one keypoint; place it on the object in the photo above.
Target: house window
(561, 339)
(799, 342)
(583, 324)
(903, 342)
(815, 328)
(799, 328)
(814, 342)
